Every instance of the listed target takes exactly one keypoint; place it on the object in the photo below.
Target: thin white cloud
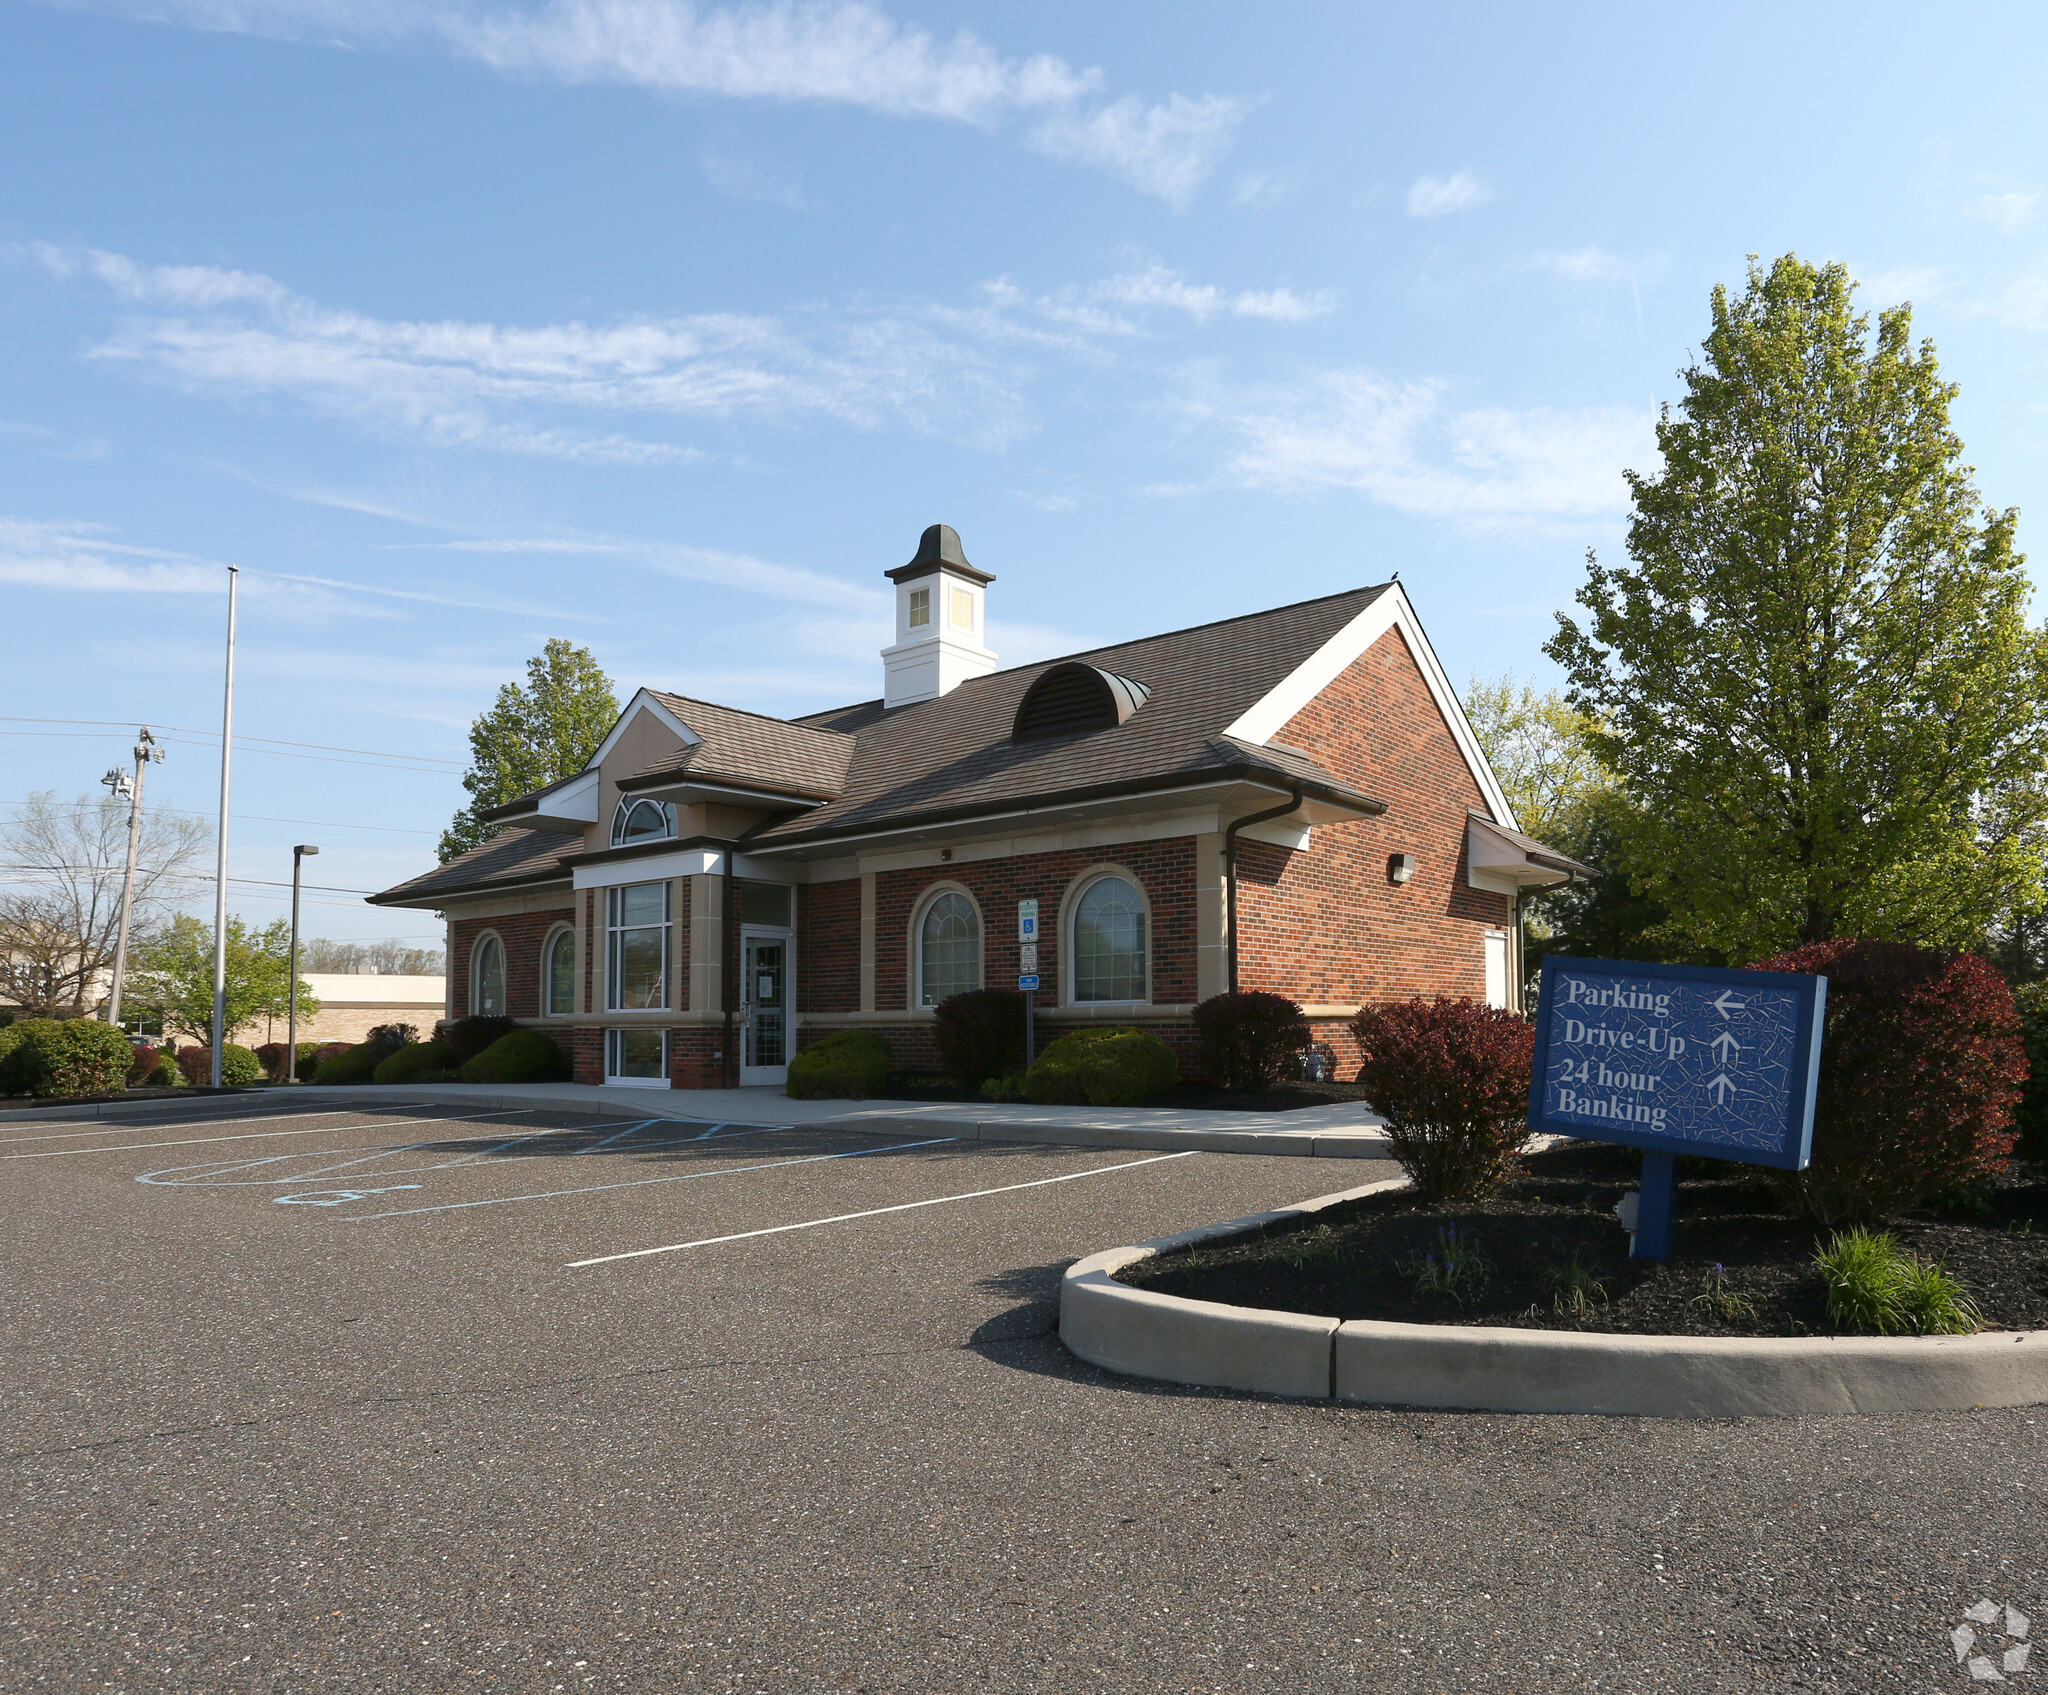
(1118, 304)
(1584, 264)
(1903, 282)
(1434, 197)
(1406, 446)
(740, 178)
(1254, 191)
(2010, 211)
(842, 52)
(2021, 303)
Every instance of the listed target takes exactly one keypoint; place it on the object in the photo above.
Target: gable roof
(510, 860)
(751, 751)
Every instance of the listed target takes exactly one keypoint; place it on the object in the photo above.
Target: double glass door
(764, 1004)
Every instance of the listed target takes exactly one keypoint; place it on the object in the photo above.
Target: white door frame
(752, 1075)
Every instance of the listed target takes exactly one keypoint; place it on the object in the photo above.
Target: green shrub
(168, 1074)
(1875, 1285)
(2032, 1117)
(1921, 1064)
(852, 1065)
(1010, 1088)
(418, 1062)
(1451, 1078)
(11, 1036)
(239, 1066)
(1248, 1038)
(351, 1065)
(470, 1036)
(70, 1056)
(1119, 1067)
(979, 1034)
(518, 1056)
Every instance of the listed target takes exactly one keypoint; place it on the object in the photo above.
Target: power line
(182, 730)
(240, 817)
(274, 752)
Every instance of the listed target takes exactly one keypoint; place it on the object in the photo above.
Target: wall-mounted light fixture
(1400, 867)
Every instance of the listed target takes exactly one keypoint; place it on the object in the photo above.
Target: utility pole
(147, 753)
(291, 1038)
(220, 874)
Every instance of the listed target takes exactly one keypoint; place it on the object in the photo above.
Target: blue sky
(667, 328)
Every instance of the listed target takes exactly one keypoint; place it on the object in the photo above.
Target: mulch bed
(1348, 1261)
(1183, 1097)
(12, 1101)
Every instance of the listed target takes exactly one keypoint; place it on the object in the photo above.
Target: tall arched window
(642, 821)
(487, 979)
(1109, 942)
(558, 992)
(948, 949)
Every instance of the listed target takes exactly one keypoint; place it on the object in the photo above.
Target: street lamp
(147, 753)
(291, 1040)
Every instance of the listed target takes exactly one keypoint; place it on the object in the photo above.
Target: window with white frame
(920, 608)
(642, 821)
(948, 949)
(637, 918)
(1108, 947)
(558, 974)
(487, 979)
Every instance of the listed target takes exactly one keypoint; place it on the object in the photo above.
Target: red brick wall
(523, 935)
(1325, 925)
(1163, 869)
(828, 946)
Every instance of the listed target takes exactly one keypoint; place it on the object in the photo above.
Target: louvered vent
(1075, 697)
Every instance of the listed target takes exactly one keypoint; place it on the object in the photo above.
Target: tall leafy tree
(1814, 679)
(1536, 744)
(532, 736)
(174, 971)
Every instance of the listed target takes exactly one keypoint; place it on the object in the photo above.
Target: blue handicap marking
(1028, 982)
(337, 1197)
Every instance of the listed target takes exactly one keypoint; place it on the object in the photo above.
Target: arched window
(1109, 942)
(948, 949)
(487, 979)
(642, 821)
(558, 990)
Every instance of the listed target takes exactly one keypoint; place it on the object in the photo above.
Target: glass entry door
(764, 1004)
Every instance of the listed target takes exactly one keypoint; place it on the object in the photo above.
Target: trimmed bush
(167, 1074)
(470, 1036)
(70, 1056)
(979, 1034)
(1921, 1065)
(1119, 1067)
(11, 1034)
(418, 1062)
(1249, 1038)
(351, 1065)
(518, 1056)
(2032, 1118)
(197, 1065)
(239, 1066)
(272, 1054)
(852, 1065)
(143, 1065)
(1451, 1078)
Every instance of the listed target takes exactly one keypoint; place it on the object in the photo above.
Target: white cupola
(939, 622)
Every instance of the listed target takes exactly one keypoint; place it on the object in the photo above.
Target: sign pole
(1027, 975)
(1656, 1208)
(1030, 1030)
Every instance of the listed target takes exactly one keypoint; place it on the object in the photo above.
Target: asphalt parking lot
(366, 1401)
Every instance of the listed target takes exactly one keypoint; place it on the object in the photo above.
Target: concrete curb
(1497, 1369)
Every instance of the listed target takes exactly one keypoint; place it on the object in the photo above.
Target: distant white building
(351, 1003)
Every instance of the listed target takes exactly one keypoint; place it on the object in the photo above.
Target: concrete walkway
(1345, 1131)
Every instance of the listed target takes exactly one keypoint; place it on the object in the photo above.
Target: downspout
(1230, 868)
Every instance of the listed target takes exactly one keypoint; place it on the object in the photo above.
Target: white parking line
(643, 1182)
(875, 1212)
(266, 1135)
(168, 1123)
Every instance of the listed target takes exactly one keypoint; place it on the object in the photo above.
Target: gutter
(1230, 867)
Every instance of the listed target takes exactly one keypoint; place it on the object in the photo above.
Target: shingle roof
(508, 860)
(954, 754)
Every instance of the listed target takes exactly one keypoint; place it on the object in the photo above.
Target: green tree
(1815, 680)
(531, 737)
(1536, 744)
(174, 970)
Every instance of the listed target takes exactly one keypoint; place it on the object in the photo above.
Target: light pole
(147, 753)
(291, 1039)
(220, 873)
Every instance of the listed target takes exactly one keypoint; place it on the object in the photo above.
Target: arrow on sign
(1725, 1044)
(1724, 1084)
(1727, 1000)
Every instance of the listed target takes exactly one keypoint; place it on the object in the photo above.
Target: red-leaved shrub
(1921, 1064)
(979, 1034)
(197, 1065)
(1247, 1038)
(1451, 1078)
(142, 1066)
(272, 1055)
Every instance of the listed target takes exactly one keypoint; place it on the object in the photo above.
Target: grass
(1456, 1268)
(1724, 1302)
(1874, 1285)
(1574, 1289)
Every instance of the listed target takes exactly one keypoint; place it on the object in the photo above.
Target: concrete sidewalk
(1345, 1131)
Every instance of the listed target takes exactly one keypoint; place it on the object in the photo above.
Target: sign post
(1675, 1060)
(1027, 974)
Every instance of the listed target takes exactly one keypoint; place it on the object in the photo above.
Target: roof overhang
(566, 807)
(681, 786)
(433, 900)
(1507, 862)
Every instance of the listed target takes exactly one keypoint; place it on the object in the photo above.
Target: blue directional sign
(1679, 1059)
(1028, 982)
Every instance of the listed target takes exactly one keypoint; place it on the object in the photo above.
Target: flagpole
(220, 875)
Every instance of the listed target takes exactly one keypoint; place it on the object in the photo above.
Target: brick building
(1291, 800)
